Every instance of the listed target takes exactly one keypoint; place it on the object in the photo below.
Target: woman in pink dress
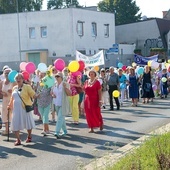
(92, 102)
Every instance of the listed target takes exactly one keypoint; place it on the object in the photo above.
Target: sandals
(18, 142)
(29, 139)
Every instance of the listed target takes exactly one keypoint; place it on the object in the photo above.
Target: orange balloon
(96, 68)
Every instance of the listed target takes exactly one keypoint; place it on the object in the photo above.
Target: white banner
(90, 61)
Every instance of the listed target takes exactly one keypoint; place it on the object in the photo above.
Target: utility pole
(19, 38)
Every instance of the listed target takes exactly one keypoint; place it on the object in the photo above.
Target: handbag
(28, 108)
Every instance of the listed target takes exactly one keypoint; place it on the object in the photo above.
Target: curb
(111, 158)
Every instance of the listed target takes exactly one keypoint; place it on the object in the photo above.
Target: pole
(8, 125)
(19, 38)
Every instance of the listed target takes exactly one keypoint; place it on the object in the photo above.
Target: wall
(61, 37)
(138, 33)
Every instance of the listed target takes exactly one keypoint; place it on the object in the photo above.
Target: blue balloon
(120, 65)
(122, 85)
(11, 76)
(140, 70)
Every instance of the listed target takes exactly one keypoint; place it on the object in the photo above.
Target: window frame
(94, 29)
(106, 30)
(81, 23)
(31, 36)
(42, 30)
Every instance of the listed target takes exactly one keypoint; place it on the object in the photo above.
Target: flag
(140, 60)
(90, 61)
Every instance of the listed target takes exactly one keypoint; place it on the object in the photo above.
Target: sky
(149, 8)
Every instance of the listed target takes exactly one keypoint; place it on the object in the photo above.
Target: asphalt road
(79, 147)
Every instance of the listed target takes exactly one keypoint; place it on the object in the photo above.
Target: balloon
(133, 64)
(59, 64)
(77, 73)
(122, 85)
(167, 65)
(124, 68)
(164, 79)
(22, 66)
(25, 75)
(48, 81)
(149, 63)
(169, 61)
(11, 76)
(140, 70)
(82, 65)
(73, 66)
(120, 65)
(154, 64)
(96, 68)
(154, 87)
(116, 93)
(30, 67)
(159, 74)
(42, 67)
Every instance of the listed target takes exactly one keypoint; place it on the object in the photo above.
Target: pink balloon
(30, 67)
(22, 66)
(77, 73)
(59, 64)
(124, 68)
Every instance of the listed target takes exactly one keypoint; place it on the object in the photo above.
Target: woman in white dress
(20, 118)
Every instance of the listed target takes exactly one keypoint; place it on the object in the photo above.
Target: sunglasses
(57, 76)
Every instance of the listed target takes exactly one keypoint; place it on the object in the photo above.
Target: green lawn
(154, 154)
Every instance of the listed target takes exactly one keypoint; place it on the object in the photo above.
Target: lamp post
(19, 39)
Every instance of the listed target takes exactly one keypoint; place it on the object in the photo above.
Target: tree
(125, 11)
(57, 4)
(10, 6)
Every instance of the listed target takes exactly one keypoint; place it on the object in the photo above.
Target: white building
(47, 34)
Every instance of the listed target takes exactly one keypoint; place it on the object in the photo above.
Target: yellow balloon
(73, 66)
(149, 63)
(41, 84)
(116, 93)
(169, 61)
(96, 68)
(133, 64)
(167, 65)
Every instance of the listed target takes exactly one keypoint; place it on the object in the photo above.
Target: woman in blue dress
(133, 87)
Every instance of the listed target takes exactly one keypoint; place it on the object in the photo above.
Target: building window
(43, 32)
(94, 29)
(32, 32)
(106, 30)
(80, 29)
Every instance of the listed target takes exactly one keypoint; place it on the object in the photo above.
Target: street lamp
(19, 40)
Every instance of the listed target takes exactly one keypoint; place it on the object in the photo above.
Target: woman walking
(21, 93)
(93, 102)
(6, 91)
(44, 100)
(74, 82)
(147, 91)
(60, 93)
(133, 87)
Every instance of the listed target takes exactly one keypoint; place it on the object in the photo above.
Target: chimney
(164, 13)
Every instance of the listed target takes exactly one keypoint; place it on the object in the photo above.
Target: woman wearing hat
(60, 93)
(93, 102)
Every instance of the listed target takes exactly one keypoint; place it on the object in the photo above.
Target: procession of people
(76, 90)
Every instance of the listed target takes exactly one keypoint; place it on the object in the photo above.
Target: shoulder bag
(28, 108)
